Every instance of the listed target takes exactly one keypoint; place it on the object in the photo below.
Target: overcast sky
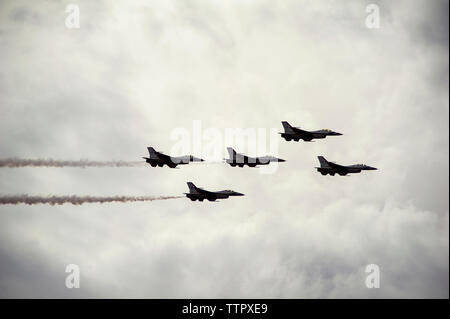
(134, 72)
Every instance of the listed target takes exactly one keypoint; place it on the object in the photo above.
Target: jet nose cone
(370, 168)
(238, 194)
(281, 160)
(338, 134)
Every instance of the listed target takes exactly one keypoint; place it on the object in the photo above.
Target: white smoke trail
(77, 200)
(18, 162)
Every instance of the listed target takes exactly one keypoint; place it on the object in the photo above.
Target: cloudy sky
(136, 71)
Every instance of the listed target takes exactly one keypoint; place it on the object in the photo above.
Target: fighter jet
(241, 160)
(333, 168)
(201, 194)
(160, 159)
(296, 134)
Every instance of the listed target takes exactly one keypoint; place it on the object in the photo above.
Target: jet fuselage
(160, 159)
(331, 168)
(241, 160)
(296, 134)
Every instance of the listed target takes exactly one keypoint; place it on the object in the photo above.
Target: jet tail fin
(192, 187)
(287, 127)
(323, 161)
